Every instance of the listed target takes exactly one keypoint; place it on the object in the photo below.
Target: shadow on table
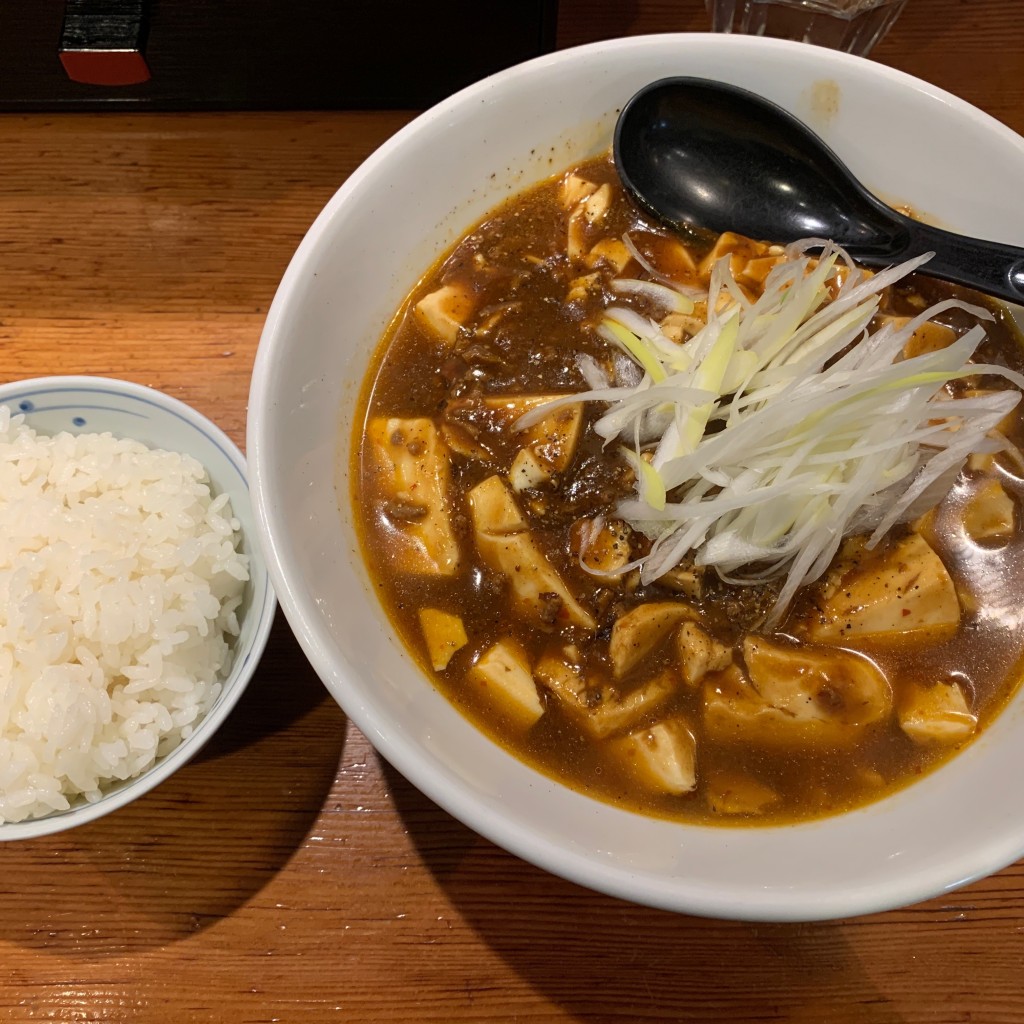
(200, 845)
(599, 958)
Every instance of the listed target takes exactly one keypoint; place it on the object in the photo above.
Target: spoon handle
(991, 267)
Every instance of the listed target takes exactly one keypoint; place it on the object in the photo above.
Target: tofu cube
(444, 311)
(936, 715)
(502, 676)
(663, 757)
(444, 633)
(411, 481)
(615, 712)
(989, 514)
(699, 653)
(505, 543)
(642, 629)
(901, 590)
(733, 792)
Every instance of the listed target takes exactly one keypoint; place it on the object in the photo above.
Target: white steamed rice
(119, 587)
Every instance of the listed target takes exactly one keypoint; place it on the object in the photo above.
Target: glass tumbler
(851, 25)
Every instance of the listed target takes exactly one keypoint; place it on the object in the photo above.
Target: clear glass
(851, 25)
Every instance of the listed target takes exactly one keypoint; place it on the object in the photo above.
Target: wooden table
(289, 874)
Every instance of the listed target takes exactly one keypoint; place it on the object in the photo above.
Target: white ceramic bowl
(391, 219)
(97, 404)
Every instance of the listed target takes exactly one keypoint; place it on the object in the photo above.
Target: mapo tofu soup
(755, 565)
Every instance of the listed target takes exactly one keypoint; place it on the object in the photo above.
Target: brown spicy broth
(523, 338)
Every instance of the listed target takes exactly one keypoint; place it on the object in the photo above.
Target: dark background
(278, 54)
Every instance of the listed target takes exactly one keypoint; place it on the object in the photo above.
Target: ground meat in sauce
(534, 308)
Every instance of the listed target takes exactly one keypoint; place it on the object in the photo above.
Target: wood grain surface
(289, 874)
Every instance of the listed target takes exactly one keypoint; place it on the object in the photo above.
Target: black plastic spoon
(705, 154)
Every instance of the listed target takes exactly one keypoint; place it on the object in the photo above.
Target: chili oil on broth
(514, 313)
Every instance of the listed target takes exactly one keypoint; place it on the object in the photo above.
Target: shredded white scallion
(655, 274)
(662, 295)
(787, 423)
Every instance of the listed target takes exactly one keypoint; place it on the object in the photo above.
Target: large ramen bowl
(392, 219)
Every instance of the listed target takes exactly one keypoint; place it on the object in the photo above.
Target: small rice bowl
(120, 583)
